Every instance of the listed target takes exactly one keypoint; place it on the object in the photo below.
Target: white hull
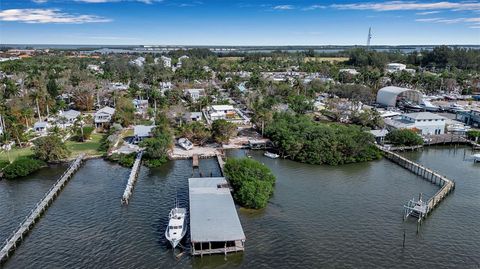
(176, 228)
(271, 155)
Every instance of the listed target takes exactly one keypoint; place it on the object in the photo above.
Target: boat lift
(416, 209)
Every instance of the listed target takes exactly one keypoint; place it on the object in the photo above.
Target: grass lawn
(15, 153)
(89, 147)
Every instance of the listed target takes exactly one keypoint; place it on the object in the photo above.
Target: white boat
(176, 228)
(185, 143)
(476, 157)
(271, 155)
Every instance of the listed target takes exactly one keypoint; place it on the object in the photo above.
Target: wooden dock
(29, 222)
(195, 162)
(446, 185)
(221, 163)
(132, 178)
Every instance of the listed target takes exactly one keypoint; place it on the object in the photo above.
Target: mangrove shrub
(301, 139)
(252, 182)
(21, 167)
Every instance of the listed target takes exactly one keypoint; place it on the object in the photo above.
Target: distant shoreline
(229, 48)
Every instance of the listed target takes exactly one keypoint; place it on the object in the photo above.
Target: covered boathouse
(214, 223)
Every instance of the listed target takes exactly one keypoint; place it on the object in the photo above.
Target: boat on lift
(176, 228)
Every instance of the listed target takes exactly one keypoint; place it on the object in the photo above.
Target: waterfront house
(379, 135)
(103, 116)
(426, 123)
(41, 127)
(141, 132)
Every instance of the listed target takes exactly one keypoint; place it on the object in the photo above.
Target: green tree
(156, 148)
(124, 111)
(252, 182)
(223, 130)
(404, 137)
(50, 148)
(196, 132)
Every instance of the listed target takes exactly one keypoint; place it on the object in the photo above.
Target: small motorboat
(476, 158)
(271, 155)
(185, 143)
(176, 228)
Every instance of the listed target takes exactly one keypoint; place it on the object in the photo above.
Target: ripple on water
(319, 217)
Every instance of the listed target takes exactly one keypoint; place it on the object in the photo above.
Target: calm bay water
(320, 217)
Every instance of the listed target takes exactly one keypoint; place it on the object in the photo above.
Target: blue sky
(241, 22)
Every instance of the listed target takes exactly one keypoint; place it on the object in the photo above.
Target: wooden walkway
(195, 162)
(29, 222)
(221, 163)
(132, 178)
(446, 185)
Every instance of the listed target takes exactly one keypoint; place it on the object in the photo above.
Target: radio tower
(369, 37)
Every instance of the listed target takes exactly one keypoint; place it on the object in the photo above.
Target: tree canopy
(303, 140)
(252, 182)
(50, 148)
(404, 137)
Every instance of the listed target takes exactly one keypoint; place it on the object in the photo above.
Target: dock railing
(446, 184)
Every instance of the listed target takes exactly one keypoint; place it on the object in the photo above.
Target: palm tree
(35, 95)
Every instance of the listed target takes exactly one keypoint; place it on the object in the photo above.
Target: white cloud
(427, 13)
(410, 5)
(472, 22)
(314, 7)
(47, 16)
(39, 1)
(283, 7)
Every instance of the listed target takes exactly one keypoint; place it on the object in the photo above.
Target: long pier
(29, 222)
(132, 178)
(446, 185)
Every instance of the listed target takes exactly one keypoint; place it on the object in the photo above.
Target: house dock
(446, 185)
(29, 222)
(214, 224)
(221, 162)
(132, 178)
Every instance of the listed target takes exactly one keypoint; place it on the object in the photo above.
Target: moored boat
(271, 155)
(176, 228)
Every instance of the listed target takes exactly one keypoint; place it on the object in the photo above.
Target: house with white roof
(141, 132)
(167, 62)
(350, 71)
(426, 123)
(103, 116)
(140, 61)
(225, 112)
(395, 67)
(41, 127)
(68, 118)
(194, 94)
